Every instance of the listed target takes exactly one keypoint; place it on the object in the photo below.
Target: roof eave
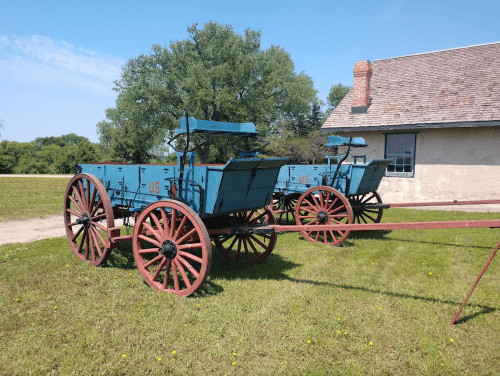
(405, 127)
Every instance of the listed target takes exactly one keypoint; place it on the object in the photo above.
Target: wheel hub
(84, 220)
(168, 249)
(322, 217)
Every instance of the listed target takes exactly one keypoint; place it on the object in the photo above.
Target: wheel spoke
(150, 240)
(252, 236)
(72, 199)
(184, 276)
(190, 256)
(151, 262)
(152, 231)
(168, 268)
(148, 251)
(77, 233)
(181, 226)
(99, 205)
(190, 267)
(175, 276)
(173, 223)
(183, 239)
(92, 199)
(166, 227)
(82, 196)
(160, 267)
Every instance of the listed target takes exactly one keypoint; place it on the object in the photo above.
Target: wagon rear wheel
(361, 209)
(254, 247)
(88, 218)
(327, 207)
(172, 247)
(283, 207)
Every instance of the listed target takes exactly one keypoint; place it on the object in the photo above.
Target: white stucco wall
(450, 164)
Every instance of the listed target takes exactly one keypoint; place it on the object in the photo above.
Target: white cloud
(42, 60)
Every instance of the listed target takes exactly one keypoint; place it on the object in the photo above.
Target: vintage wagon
(177, 210)
(331, 194)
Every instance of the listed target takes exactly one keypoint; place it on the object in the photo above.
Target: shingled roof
(452, 88)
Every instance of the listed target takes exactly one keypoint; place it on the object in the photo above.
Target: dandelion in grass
(442, 364)
(380, 308)
(234, 363)
(308, 341)
(338, 331)
(124, 355)
(430, 273)
(333, 258)
(67, 265)
(64, 349)
(174, 352)
(55, 307)
(370, 343)
(452, 340)
(338, 318)
(159, 359)
(345, 333)
(83, 272)
(234, 354)
(17, 300)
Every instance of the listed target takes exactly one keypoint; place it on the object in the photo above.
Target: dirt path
(30, 230)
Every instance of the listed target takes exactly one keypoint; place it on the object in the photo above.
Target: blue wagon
(176, 210)
(330, 194)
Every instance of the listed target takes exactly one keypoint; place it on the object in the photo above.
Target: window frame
(395, 174)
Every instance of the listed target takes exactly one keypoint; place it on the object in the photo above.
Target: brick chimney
(362, 74)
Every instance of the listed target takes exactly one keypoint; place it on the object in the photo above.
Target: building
(436, 115)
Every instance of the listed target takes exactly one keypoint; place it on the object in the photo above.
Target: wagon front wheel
(172, 248)
(324, 206)
(88, 219)
(254, 246)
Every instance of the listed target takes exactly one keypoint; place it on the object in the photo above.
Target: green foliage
(337, 93)
(309, 149)
(216, 74)
(46, 155)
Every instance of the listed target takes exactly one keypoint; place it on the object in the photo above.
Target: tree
(337, 93)
(217, 75)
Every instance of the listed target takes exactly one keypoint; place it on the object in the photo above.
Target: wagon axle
(84, 220)
(168, 249)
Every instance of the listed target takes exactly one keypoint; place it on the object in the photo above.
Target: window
(400, 147)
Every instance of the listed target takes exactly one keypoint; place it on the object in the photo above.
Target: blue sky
(58, 59)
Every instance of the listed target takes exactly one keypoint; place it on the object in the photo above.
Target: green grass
(22, 198)
(370, 306)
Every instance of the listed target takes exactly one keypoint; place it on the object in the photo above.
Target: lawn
(22, 198)
(380, 304)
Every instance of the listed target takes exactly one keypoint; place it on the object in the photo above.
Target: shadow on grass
(274, 268)
(483, 308)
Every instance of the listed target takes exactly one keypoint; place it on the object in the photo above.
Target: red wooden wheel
(88, 218)
(283, 207)
(323, 206)
(172, 247)
(362, 212)
(255, 247)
